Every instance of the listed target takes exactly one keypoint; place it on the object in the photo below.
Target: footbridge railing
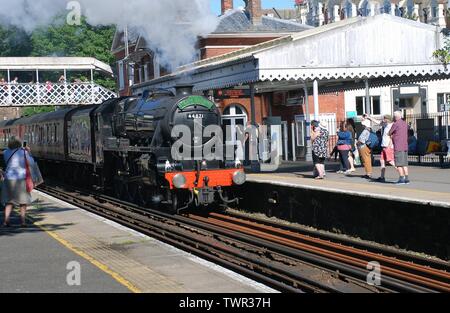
(46, 94)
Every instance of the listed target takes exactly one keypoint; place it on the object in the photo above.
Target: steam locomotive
(124, 148)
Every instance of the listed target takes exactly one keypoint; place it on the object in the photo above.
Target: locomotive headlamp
(179, 181)
(239, 178)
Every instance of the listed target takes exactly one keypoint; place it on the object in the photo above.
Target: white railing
(41, 94)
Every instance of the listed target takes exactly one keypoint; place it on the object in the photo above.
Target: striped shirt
(364, 138)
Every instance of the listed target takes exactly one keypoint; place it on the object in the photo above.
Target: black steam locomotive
(124, 147)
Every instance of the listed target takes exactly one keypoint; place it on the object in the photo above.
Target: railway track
(285, 259)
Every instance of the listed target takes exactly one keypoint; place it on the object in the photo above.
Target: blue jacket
(345, 138)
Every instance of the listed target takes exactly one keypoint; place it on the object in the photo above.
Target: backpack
(373, 141)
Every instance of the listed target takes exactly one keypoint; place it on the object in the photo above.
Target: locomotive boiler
(126, 147)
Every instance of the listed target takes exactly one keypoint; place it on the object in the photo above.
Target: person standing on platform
(320, 137)
(14, 189)
(364, 150)
(351, 127)
(399, 134)
(344, 146)
(387, 154)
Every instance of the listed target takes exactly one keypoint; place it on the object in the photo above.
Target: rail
(278, 257)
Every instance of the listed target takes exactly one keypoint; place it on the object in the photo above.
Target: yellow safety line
(93, 261)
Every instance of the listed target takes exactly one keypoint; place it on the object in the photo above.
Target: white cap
(367, 124)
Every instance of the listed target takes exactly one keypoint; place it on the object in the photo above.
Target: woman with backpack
(344, 146)
(14, 188)
(366, 141)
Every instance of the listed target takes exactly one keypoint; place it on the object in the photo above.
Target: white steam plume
(170, 27)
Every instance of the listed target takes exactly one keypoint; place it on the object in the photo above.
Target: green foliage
(14, 42)
(443, 55)
(30, 111)
(61, 39)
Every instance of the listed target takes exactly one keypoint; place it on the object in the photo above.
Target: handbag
(33, 177)
(28, 179)
(36, 175)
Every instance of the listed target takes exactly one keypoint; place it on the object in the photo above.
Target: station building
(243, 28)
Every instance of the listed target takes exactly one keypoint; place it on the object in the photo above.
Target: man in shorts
(399, 134)
(387, 154)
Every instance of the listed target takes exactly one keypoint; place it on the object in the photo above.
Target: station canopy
(54, 63)
(385, 49)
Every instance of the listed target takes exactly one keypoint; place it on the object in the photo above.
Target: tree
(36, 110)
(14, 42)
(61, 39)
(443, 55)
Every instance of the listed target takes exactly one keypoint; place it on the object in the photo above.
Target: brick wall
(330, 103)
(9, 113)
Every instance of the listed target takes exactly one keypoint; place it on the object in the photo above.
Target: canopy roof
(386, 49)
(54, 63)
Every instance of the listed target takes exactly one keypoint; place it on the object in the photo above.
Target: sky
(267, 4)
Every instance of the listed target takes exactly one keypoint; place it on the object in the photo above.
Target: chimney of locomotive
(184, 90)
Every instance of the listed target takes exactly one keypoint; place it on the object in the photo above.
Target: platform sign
(352, 114)
(445, 107)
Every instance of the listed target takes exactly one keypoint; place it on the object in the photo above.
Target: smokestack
(254, 9)
(184, 89)
(228, 5)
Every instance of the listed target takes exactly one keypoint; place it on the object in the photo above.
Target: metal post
(308, 156)
(269, 111)
(9, 88)
(368, 100)
(286, 141)
(316, 100)
(66, 93)
(38, 89)
(92, 87)
(447, 113)
(294, 155)
(254, 163)
(252, 104)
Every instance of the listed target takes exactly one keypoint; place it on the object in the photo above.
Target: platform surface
(112, 258)
(429, 185)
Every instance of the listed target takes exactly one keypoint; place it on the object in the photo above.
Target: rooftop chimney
(226, 5)
(254, 9)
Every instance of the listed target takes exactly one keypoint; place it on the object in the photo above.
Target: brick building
(237, 29)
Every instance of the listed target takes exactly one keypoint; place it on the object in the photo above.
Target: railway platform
(68, 250)
(412, 217)
(429, 185)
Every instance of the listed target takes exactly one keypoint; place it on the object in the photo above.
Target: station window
(443, 101)
(375, 105)
(121, 76)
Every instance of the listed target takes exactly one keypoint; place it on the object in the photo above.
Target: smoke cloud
(171, 27)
